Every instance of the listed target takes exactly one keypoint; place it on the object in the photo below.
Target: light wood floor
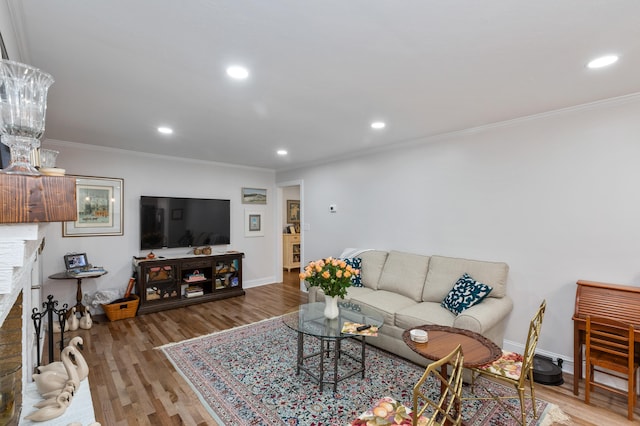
(134, 384)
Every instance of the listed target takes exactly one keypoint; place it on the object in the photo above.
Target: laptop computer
(76, 262)
(78, 265)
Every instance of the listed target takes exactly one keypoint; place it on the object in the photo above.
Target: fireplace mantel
(29, 199)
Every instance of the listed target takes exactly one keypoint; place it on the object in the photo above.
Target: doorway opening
(291, 219)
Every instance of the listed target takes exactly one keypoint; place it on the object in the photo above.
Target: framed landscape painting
(99, 208)
(254, 196)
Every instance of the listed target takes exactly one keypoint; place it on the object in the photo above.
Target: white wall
(161, 176)
(556, 196)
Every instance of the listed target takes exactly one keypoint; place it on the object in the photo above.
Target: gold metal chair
(516, 369)
(447, 408)
(610, 346)
(426, 412)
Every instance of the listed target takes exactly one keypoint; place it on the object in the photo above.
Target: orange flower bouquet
(333, 276)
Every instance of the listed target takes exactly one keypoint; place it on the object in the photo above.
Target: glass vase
(9, 374)
(23, 105)
(21, 148)
(48, 158)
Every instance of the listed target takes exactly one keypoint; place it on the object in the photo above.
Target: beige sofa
(407, 289)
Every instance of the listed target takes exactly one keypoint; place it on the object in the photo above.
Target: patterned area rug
(247, 376)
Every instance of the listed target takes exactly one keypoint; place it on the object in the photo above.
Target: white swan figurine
(50, 397)
(52, 411)
(56, 326)
(81, 363)
(52, 380)
(76, 342)
(73, 321)
(85, 321)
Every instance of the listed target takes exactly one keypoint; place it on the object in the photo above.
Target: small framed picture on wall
(253, 224)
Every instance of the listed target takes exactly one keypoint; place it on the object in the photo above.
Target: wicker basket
(122, 309)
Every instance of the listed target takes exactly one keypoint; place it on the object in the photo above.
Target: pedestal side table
(80, 308)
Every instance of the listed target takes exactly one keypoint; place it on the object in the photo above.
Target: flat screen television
(170, 222)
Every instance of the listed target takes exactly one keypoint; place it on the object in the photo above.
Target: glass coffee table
(309, 320)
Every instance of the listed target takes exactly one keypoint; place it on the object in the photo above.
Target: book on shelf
(193, 291)
(94, 271)
(194, 276)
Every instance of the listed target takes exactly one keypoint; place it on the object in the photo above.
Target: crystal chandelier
(23, 104)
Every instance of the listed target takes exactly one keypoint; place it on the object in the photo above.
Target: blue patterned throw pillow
(465, 293)
(355, 263)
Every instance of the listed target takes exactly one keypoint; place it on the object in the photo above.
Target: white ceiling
(321, 71)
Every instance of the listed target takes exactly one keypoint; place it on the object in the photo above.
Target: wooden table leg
(444, 371)
(445, 376)
(80, 308)
(577, 359)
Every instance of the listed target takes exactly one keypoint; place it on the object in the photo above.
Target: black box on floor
(546, 372)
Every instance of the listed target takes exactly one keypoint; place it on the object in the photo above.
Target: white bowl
(52, 171)
(419, 336)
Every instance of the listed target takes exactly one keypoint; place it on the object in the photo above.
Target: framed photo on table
(98, 206)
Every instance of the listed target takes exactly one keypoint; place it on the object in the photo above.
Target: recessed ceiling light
(603, 61)
(378, 125)
(165, 130)
(282, 152)
(237, 72)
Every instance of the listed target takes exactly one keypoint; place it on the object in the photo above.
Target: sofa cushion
(486, 318)
(509, 365)
(404, 273)
(423, 313)
(372, 264)
(385, 302)
(355, 263)
(445, 271)
(357, 292)
(465, 293)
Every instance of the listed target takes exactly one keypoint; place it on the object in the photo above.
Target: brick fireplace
(20, 280)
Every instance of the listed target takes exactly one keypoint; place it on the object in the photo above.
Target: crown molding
(17, 19)
(431, 139)
(147, 155)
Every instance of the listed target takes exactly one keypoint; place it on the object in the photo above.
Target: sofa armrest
(313, 293)
(485, 315)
